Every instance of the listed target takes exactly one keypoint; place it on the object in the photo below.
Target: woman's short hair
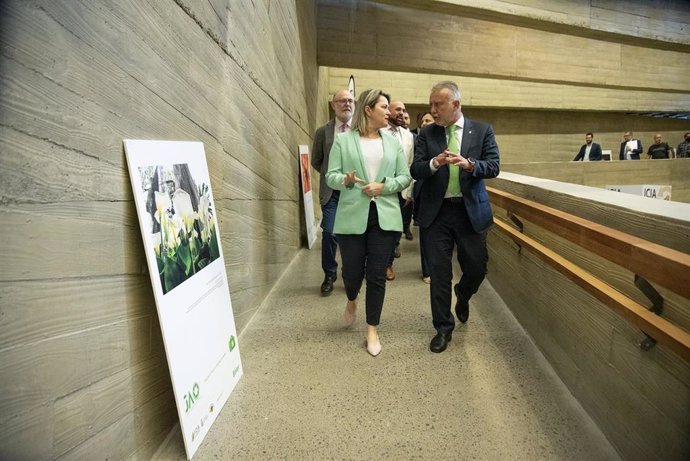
(368, 98)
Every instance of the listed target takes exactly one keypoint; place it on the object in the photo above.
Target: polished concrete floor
(311, 391)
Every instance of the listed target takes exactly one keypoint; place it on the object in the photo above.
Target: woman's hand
(373, 189)
(351, 178)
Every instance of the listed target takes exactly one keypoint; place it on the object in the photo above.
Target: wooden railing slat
(663, 331)
(665, 266)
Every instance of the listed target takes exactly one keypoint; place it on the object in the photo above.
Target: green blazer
(353, 205)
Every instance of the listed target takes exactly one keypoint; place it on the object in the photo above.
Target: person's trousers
(401, 200)
(366, 256)
(451, 228)
(406, 213)
(329, 242)
(416, 193)
(422, 256)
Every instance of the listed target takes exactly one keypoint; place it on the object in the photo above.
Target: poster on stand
(179, 228)
(307, 195)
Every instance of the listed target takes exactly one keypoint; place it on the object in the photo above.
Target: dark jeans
(366, 255)
(452, 227)
(329, 242)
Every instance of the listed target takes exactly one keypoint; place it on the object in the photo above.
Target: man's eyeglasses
(342, 102)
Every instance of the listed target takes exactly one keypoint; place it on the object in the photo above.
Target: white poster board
(307, 195)
(179, 226)
(657, 191)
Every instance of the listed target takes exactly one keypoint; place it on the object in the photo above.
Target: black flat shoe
(462, 306)
(440, 342)
(327, 285)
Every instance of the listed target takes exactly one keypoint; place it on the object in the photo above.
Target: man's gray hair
(448, 85)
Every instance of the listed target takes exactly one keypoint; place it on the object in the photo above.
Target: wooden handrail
(664, 266)
(663, 331)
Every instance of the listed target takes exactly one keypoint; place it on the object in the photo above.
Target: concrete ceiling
(545, 54)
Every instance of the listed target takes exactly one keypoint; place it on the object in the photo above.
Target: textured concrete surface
(311, 391)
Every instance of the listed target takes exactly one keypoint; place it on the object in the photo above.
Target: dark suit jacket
(635, 154)
(323, 141)
(478, 143)
(594, 153)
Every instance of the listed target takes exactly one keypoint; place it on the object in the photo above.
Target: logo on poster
(191, 397)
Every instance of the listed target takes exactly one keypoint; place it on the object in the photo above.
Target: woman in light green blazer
(368, 167)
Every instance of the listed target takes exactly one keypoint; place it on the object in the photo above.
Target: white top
(406, 139)
(395, 131)
(372, 151)
(587, 150)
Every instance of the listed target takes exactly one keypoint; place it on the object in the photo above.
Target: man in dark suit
(343, 105)
(590, 151)
(453, 156)
(630, 148)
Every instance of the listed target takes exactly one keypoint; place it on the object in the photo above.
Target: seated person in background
(683, 150)
(590, 151)
(630, 148)
(659, 149)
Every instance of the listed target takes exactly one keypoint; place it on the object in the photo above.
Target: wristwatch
(471, 162)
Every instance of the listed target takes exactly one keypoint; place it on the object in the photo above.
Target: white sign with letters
(179, 226)
(661, 192)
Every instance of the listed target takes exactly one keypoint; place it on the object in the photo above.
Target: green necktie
(453, 171)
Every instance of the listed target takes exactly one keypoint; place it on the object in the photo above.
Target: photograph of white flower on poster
(178, 220)
(181, 222)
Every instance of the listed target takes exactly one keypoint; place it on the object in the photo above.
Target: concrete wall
(631, 21)
(372, 35)
(673, 172)
(543, 72)
(640, 400)
(83, 374)
(82, 369)
(537, 136)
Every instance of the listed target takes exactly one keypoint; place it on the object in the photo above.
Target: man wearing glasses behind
(343, 105)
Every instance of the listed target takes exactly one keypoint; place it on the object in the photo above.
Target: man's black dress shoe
(440, 342)
(408, 234)
(462, 306)
(327, 285)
